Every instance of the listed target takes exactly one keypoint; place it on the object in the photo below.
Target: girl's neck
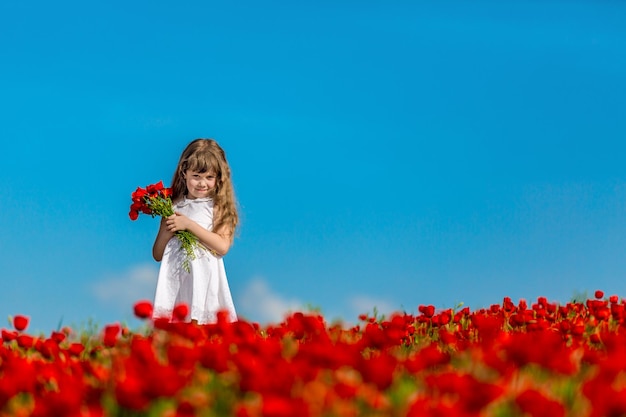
(188, 197)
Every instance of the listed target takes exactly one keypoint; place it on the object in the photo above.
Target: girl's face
(199, 184)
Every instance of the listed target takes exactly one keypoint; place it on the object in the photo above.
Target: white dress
(204, 288)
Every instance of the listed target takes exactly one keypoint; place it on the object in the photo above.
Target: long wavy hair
(205, 155)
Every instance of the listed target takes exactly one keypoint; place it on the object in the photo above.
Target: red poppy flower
(58, 337)
(20, 322)
(180, 312)
(378, 369)
(214, 356)
(427, 311)
(75, 349)
(111, 333)
(129, 393)
(155, 188)
(143, 309)
(8, 335)
(429, 356)
(25, 341)
(49, 348)
(445, 317)
(166, 192)
(276, 406)
(536, 404)
(139, 194)
(598, 294)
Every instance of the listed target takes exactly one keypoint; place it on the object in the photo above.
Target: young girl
(204, 204)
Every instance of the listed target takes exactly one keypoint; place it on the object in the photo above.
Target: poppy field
(510, 359)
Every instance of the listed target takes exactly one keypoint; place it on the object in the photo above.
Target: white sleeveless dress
(205, 287)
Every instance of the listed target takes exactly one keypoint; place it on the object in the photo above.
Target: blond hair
(205, 155)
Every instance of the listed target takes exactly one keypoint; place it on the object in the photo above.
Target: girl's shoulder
(178, 202)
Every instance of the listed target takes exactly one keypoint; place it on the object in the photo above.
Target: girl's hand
(164, 229)
(217, 242)
(177, 222)
(161, 240)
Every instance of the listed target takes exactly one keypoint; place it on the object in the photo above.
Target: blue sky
(384, 154)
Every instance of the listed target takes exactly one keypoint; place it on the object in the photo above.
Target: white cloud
(259, 303)
(124, 289)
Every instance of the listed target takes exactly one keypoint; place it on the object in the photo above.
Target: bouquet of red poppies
(156, 200)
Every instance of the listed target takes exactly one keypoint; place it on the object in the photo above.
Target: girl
(204, 204)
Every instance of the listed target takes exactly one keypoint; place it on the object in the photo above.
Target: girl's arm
(218, 241)
(161, 240)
